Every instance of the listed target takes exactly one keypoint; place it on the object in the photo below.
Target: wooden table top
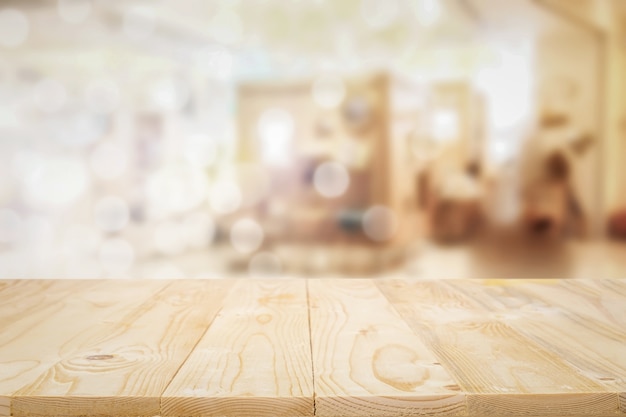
(294, 348)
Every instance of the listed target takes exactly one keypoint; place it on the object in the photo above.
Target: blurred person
(551, 206)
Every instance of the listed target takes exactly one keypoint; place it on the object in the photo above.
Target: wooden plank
(121, 365)
(254, 360)
(503, 372)
(5, 406)
(26, 302)
(602, 300)
(585, 334)
(25, 308)
(367, 361)
(54, 312)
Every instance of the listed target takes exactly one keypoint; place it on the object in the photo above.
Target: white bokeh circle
(246, 235)
(379, 223)
(331, 179)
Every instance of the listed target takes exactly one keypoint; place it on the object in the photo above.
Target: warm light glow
(58, 181)
(276, 129)
(445, 125)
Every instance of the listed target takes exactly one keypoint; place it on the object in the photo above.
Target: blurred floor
(573, 259)
(491, 257)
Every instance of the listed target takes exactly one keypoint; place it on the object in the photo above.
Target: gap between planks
(308, 308)
(467, 410)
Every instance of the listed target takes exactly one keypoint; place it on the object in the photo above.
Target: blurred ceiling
(291, 34)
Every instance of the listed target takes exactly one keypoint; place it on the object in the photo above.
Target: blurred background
(270, 138)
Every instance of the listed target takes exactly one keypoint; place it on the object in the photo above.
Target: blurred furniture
(333, 347)
(617, 224)
(367, 133)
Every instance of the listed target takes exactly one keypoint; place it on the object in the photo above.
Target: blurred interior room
(270, 138)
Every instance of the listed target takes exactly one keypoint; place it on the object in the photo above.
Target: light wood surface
(367, 361)
(296, 348)
(254, 360)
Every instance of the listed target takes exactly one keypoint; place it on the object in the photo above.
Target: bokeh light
(331, 179)
(246, 235)
(14, 28)
(276, 128)
(170, 94)
(445, 125)
(165, 139)
(176, 189)
(379, 223)
(58, 181)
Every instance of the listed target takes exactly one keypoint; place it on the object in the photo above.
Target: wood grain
(576, 320)
(254, 360)
(122, 364)
(367, 361)
(296, 348)
(502, 371)
(594, 347)
(28, 309)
